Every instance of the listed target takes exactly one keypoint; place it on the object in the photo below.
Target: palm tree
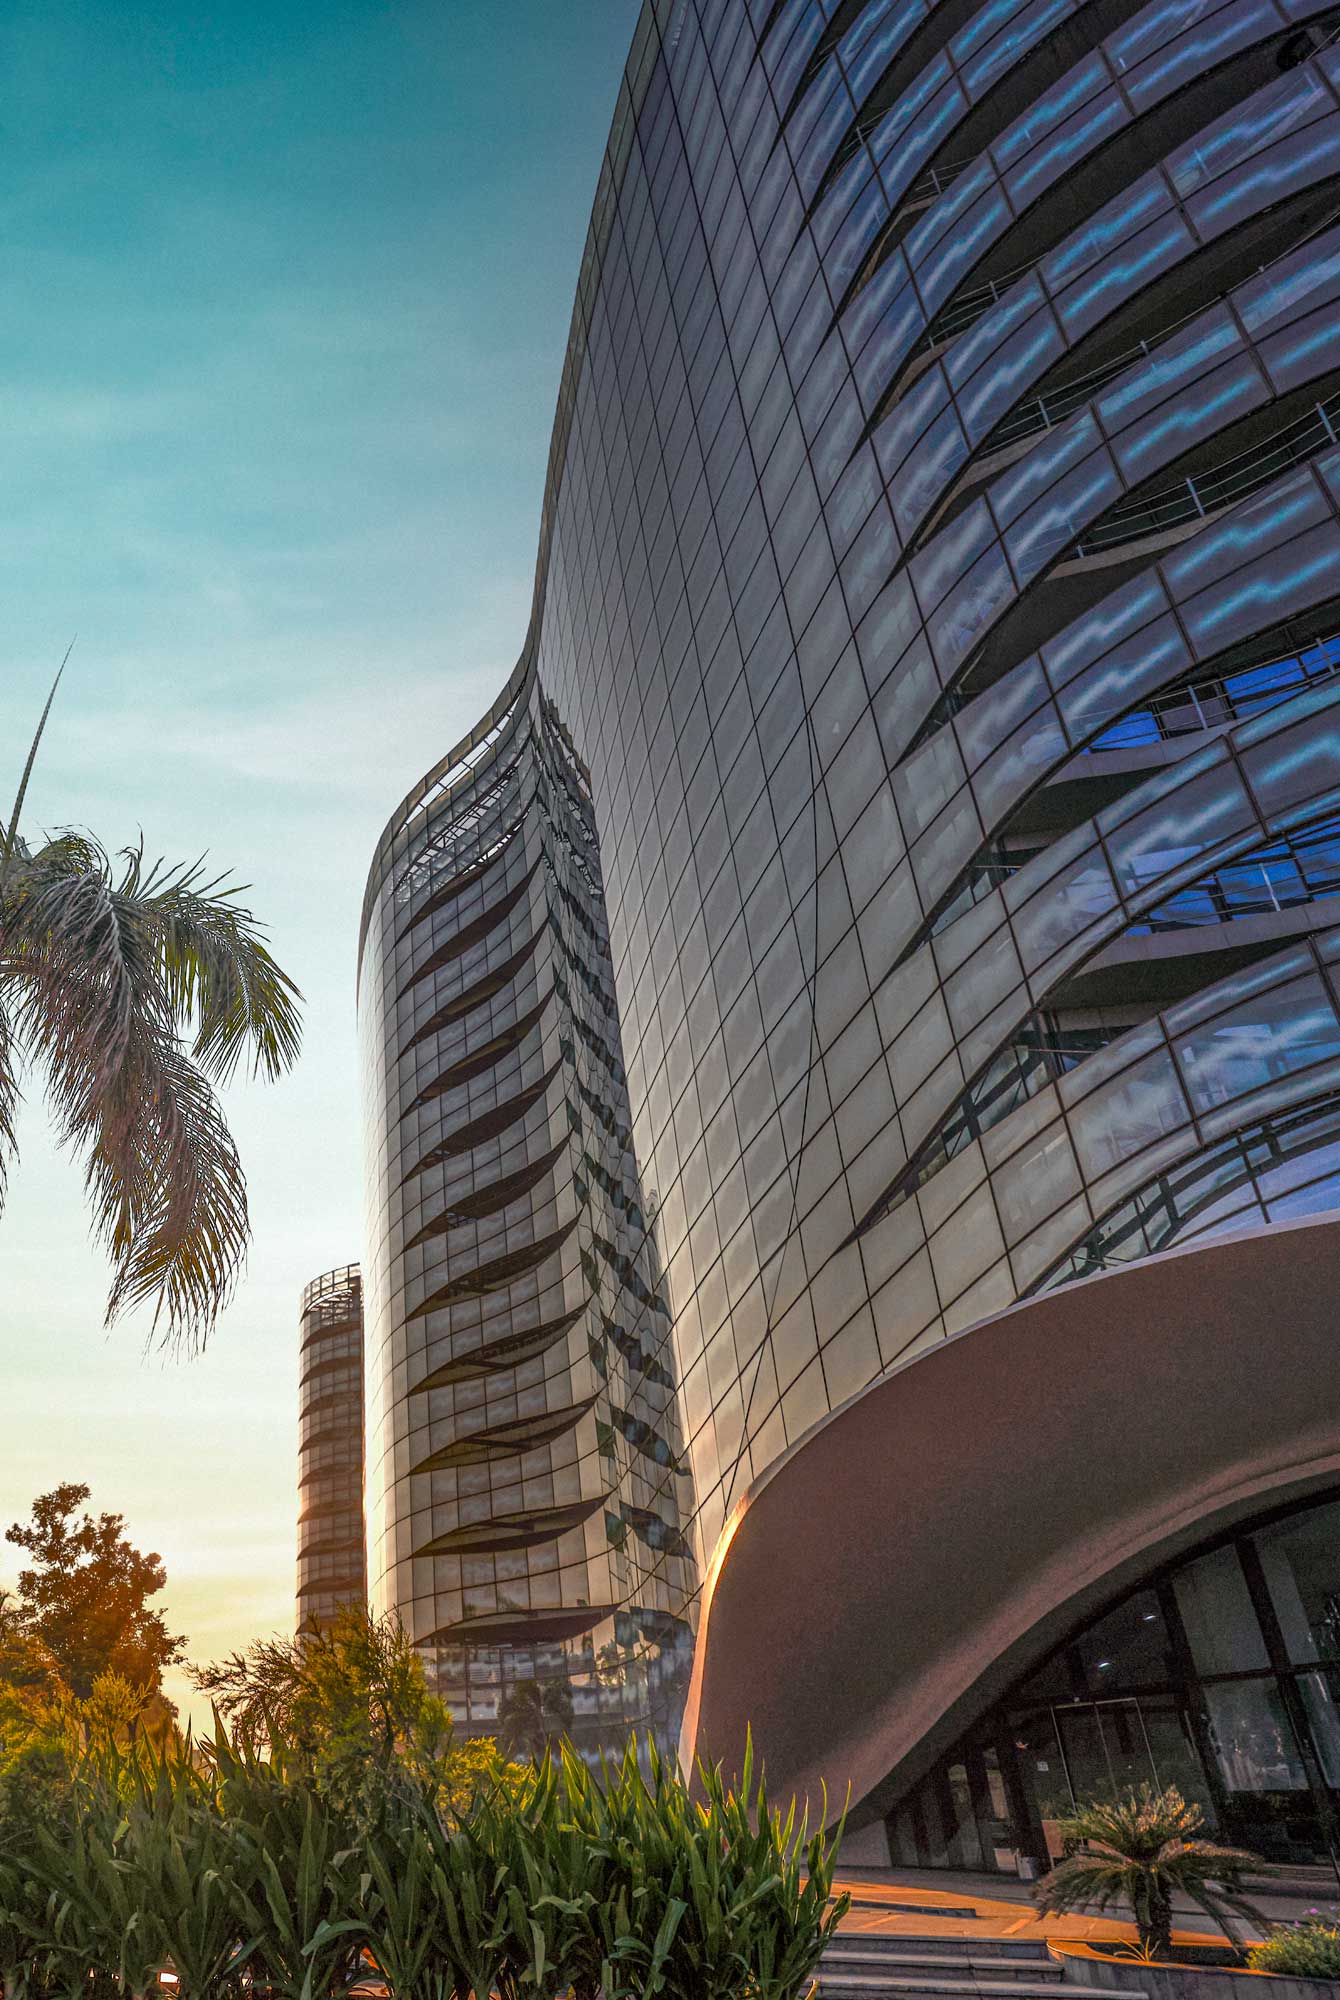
(135, 988)
(1139, 1850)
(533, 1715)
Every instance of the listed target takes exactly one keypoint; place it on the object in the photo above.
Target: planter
(1184, 1957)
(1190, 1982)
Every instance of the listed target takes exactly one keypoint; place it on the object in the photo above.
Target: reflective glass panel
(1301, 1560)
(1221, 1625)
(1251, 1739)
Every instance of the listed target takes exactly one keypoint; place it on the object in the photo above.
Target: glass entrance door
(1106, 1749)
(1113, 1747)
(1078, 1753)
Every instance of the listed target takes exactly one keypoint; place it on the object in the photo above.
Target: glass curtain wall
(934, 626)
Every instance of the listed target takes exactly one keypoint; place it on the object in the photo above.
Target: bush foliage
(239, 1869)
(1306, 1950)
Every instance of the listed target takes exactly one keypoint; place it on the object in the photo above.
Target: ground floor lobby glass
(1219, 1674)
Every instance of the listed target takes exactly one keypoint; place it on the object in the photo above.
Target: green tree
(135, 988)
(535, 1715)
(29, 1685)
(82, 1607)
(1141, 1850)
(24, 1662)
(350, 1701)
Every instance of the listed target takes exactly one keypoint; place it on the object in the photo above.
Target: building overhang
(906, 1560)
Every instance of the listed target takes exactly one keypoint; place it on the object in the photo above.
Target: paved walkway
(917, 1902)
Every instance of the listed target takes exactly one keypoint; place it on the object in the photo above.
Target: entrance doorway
(1219, 1675)
(1082, 1751)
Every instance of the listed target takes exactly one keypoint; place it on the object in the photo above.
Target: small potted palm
(1141, 1850)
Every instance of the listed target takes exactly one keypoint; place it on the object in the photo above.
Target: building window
(1300, 1558)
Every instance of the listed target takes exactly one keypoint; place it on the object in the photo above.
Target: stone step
(834, 1984)
(955, 1910)
(856, 1954)
(946, 1945)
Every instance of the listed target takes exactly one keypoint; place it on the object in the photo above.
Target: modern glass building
(332, 1566)
(933, 663)
(528, 1484)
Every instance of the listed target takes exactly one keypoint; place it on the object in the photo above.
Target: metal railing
(1153, 1217)
(1294, 870)
(935, 181)
(966, 308)
(1043, 413)
(1198, 706)
(1192, 499)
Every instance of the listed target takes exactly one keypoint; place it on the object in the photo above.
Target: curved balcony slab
(472, 996)
(477, 1061)
(498, 1355)
(488, 1199)
(489, 1125)
(352, 1580)
(495, 1274)
(512, 1531)
(905, 1561)
(505, 1440)
(464, 879)
(519, 1628)
(469, 934)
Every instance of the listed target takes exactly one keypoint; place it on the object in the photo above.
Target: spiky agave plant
(135, 988)
(1140, 1850)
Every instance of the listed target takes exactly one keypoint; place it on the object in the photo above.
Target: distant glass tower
(332, 1569)
(526, 1472)
(900, 882)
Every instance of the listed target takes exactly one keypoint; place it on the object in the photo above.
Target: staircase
(877, 1964)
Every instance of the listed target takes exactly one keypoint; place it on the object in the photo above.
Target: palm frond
(84, 970)
(1202, 1856)
(9, 835)
(1096, 1876)
(9, 1100)
(1138, 1850)
(134, 986)
(1225, 1906)
(217, 972)
(188, 1221)
(80, 969)
(213, 974)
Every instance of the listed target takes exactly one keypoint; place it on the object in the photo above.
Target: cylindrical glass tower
(526, 1470)
(332, 1569)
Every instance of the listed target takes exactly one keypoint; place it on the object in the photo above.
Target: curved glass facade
(903, 861)
(332, 1566)
(527, 1473)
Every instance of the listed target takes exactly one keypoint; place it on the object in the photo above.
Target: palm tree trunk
(1154, 1922)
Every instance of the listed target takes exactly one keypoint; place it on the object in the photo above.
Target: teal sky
(286, 295)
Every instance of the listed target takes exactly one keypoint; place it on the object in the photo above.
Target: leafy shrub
(350, 1707)
(622, 1884)
(290, 1871)
(248, 1876)
(1309, 1949)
